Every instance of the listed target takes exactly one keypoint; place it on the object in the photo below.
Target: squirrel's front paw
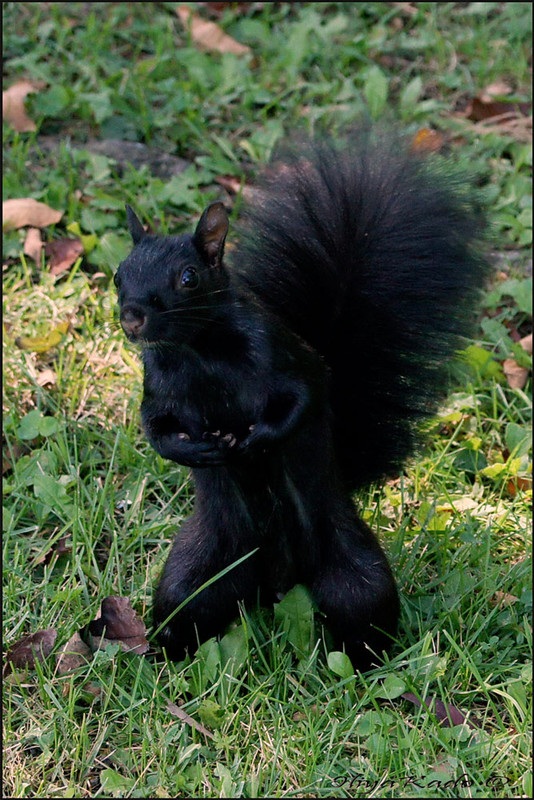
(224, 442)
(257, 438)
(179, 447)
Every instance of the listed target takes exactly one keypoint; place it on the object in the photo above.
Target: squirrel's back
(370, 252)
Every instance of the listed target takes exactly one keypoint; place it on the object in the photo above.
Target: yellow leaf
(454, 416)
(494, 470)
(40, 344)
(514, 465)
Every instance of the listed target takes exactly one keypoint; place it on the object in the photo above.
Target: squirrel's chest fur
(197, 394)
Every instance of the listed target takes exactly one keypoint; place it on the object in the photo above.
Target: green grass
(285, 722)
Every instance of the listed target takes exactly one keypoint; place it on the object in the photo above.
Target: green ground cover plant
(90, 509)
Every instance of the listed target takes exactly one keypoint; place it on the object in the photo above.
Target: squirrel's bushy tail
(369, 252)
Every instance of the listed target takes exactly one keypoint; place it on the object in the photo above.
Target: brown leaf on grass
(176, 711)
(35, 646)
(501, 598)
(519, 483)
(493, 114)
(487, 103)
(218, 8)
(495, 89)
(427, 141)
(515, 375)
(209, 35)
(47, 377)
(75, 653)
(63, 253)
(480, 110)
(526, 343)
(60, 548)
(408, 9)
(230, 183)
(298, 716)
(92, 688)
(33, 244)
(445, 713)
(13, 105)
(63, 547)
(17, 450)
(25, 211)
(513, 125)
(234, 185)
(118, 622)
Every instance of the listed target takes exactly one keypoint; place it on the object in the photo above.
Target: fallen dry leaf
(176, 711)
(41, 344)
(219, 8)
(298, 716)
(63, 253)
(234, 185)
(17, 450)
(483, 109)
(47, 377)
(526, 344)
(514, 125)
(208, 34)
(13, 105)
(461, 504)
(35, 646)
(118, 622)
(427, 141)
(33, 244)
(27, 211)
(518, 483)
(408, 9)
(515, 375)
(92, 688)
(230, 183)
(75, 653)
(501, 598)
(60, 548)
(496, 89)
(445, 713)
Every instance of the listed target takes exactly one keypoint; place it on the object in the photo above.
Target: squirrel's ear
(210, 234)
(137, 232)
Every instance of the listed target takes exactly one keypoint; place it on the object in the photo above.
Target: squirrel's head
(171, 287)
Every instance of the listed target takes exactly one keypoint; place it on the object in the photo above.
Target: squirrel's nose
(133, 320)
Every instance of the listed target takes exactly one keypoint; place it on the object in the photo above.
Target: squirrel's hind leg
(354, 587)
(193, 560)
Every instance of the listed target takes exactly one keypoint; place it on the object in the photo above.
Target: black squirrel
(298, 373)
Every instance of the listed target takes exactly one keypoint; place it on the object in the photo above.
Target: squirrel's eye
(117, 280)
(189, 278)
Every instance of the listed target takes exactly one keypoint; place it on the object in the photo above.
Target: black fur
(369, 252)
(297, 374)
